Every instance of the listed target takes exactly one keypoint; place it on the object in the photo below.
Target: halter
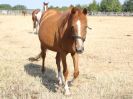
(78, 37)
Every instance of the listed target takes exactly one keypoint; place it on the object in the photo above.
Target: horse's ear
(85, 11)
(45, 3)
(73, 10)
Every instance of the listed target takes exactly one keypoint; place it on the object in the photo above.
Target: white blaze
(79, 33)
(45, 8)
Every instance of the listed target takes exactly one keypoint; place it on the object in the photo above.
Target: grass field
(106, 66)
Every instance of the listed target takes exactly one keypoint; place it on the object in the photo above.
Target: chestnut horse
(63, 33)
(36, 16)
(24, 13)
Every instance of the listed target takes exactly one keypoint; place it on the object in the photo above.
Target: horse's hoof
(70, 83)
(43, 71)
(67, 93)
(60, 83)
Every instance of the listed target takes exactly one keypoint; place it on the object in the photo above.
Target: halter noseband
(78, 37)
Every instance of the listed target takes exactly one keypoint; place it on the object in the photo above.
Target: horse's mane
(67, 14)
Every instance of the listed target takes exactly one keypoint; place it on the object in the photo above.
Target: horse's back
(49, 14)
(49, 19)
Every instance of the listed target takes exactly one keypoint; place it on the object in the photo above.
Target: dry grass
(106, 66)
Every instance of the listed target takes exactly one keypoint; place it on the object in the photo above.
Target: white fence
(111, 13)
(29, 11)
(14, 12)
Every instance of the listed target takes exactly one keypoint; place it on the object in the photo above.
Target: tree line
(9, 7)
(111, 6)
(103, 6)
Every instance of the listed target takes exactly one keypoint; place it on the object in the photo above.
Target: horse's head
(78, 25)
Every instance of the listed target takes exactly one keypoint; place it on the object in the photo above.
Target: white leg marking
(60, 78)
(67, 91)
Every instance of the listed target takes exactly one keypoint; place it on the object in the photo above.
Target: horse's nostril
(80, 50)
(83, 49)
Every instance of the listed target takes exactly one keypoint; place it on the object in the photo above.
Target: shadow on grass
(48, 79)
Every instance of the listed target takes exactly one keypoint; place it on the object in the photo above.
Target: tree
(78, 6)
(128, 6)
(19, 7)
(116, 6)
(93, 6)
(63, 8)
(110, 6)
(5, 7)
(51, 7)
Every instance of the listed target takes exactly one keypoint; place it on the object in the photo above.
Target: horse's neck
(65, 17)
(42, 10)
(45, 7)
(64, 23)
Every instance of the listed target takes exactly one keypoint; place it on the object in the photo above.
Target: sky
(33, 4)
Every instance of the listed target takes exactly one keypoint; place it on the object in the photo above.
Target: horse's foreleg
(75, 62)
(58, 60)
(65, 73)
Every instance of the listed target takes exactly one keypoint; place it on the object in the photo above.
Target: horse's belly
(49, 42)
(50, 46)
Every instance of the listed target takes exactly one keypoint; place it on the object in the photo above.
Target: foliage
(19, 7)
(128, 6)
(5, 7)
(103, 6)
(110, 6)
(9, 7)
(93, 6)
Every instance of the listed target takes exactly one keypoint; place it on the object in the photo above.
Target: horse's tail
(35, 20)
(34, 24)
(32, 59)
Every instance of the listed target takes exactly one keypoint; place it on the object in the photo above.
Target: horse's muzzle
(80, 50)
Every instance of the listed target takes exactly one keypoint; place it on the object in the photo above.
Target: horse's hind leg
(34, 26)
(43, 59)
(37, 27)
(58, 60)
